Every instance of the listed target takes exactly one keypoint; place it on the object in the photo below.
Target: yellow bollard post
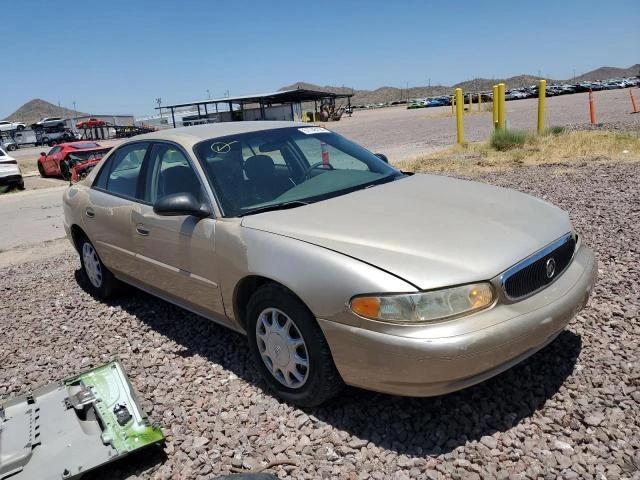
(542, 94)
(460, 115)
(479, 102)
(470, 101)
(501, 107)
(494, 99)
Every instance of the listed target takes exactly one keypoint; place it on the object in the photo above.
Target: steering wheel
(305, 176)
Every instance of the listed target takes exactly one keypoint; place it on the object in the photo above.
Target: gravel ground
(404, 134)
(570, 411)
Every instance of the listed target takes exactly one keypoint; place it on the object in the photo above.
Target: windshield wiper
(275, 206)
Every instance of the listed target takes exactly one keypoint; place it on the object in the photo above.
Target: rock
(489, 442)
(594, 420)
(358, 443)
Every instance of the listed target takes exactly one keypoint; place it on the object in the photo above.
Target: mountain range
(35, 109)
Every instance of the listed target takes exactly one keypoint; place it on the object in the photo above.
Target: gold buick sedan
(337, 267)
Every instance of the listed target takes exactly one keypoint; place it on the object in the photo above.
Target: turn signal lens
(366, 306)
(425, 306)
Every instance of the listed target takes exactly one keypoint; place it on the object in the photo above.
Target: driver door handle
(142, 230)
(89, 212)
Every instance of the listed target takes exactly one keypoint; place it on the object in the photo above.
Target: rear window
(84, 146)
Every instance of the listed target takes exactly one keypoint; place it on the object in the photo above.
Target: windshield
(257, 171)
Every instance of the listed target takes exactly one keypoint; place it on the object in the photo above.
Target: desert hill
(35, 109)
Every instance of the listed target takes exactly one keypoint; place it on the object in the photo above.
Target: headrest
(259, 166)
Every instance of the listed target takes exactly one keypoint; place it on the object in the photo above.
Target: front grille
(539, 270)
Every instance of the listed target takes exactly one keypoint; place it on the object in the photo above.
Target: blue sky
(119, 56)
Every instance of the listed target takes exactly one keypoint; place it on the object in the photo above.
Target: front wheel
(102, 283)
(20, 128)
(289, 349)
(41, 171)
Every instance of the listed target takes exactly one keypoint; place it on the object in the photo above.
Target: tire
(20, 128)
(65, 171)
(11, 147)
(101, 282)
(314, 383)
(41, 170)
(21, 185)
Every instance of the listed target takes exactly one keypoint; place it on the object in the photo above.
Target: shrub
(507, 139)
(555, 130)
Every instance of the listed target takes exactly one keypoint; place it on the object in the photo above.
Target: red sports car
(92, 122)
(62, 158)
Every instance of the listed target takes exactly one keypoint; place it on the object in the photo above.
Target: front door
(178, 251)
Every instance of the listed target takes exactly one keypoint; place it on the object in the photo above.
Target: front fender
(323, 279)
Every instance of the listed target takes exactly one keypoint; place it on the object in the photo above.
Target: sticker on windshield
(220, 147)
(312, 130)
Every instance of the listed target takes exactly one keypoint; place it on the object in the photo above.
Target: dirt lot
(403, 134)
(571, 411)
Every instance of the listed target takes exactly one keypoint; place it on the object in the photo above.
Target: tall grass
(503, 139)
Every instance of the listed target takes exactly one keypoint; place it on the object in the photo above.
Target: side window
(171, 173)
(120, 175)
(54, 150)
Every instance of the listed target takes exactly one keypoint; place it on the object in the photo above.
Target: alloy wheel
(92, 265)
(282, 348)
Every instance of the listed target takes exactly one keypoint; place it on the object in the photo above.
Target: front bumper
(440, 358)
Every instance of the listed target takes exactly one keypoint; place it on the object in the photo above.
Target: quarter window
(120, 175)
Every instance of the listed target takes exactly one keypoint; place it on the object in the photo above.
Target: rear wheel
(21, 185)
(289, 349)
(11, 147)
(102, 283)
(20, 128)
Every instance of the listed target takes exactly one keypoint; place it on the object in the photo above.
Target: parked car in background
(50, 123)
(10, 173)
(338, 267)
(90, 123)
(6, 126)
(8, 145)
(61, 158)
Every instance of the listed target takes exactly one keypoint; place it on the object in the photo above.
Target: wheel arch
(76, 234)
(245, 289)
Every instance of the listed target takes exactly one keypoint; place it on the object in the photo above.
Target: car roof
(189, 136)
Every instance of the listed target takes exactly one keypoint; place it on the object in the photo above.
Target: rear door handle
(142, 230)
(89, 212)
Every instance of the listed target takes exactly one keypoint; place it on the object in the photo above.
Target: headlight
(425, 306)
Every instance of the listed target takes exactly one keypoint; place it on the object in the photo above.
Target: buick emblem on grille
(550, 267)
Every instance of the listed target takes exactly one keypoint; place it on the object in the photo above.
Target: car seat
(263, 182)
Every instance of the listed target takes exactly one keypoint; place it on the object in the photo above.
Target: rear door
(117, 192)
(178, 252)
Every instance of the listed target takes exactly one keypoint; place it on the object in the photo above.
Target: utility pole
(159, 102)
(208, 94)
(75, 113)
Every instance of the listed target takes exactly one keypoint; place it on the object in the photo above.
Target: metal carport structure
(264, 100)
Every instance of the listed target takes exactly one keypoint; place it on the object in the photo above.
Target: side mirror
(42, 154)
(180, 204)
(382, 157)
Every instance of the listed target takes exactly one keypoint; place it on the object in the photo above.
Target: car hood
(430, 230)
